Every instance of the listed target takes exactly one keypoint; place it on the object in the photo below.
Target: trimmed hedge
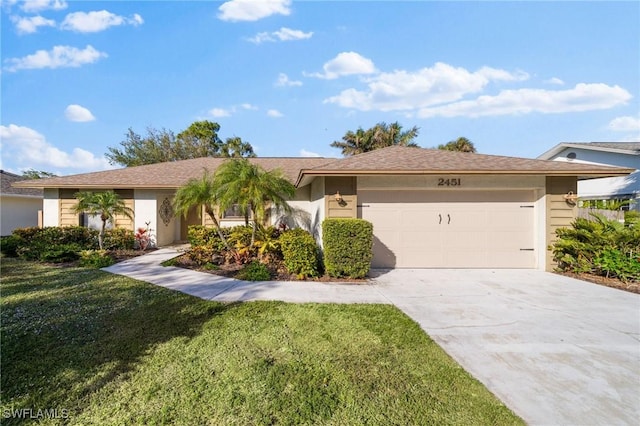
(299, 252)
(348, 247)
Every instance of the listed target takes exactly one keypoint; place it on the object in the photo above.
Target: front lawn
(104, 349)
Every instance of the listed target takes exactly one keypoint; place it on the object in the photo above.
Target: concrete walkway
(554, 349)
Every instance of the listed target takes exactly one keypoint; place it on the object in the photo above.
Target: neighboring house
(19, 207)
(596, 192)
(429, 208)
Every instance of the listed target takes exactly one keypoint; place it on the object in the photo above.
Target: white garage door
(446, 229)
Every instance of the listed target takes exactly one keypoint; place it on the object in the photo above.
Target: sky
(290, 77)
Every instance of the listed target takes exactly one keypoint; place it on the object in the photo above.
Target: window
(571, 156)
(234, 212)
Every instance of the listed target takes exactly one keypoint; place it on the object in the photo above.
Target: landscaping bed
(630, 286)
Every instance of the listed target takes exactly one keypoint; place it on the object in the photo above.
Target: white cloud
(58, 57)
(403, 90)
(555, 80)
(29, 25)
(283, 34)
(346, 63)
(78, 113)
(625, 124)
(583, 97)
(31, 150)
(274, 113)
(220, 112)
(249, 107)
(91, 22)
(39, 5)
(305, 153)
(283, 81)
(252, 10)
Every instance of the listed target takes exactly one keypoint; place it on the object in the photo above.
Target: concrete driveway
(554, 349)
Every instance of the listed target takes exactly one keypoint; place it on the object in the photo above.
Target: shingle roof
(167, 175)
(404, 160)
(8, 179)
(392, 160)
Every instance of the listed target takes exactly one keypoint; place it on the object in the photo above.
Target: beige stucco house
(429, 208)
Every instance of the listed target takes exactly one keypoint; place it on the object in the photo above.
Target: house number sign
(449, 182)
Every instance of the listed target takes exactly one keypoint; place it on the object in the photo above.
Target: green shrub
(198, 235)
(299, 252)
(61, 253)
(201, 255)
(254, 271)
(9, 245)
(95, 259)
(347, 247)
(118, 239)
(599, 246)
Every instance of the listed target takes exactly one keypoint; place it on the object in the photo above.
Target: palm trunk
(255, 226)
(101, 234)
(212, 215)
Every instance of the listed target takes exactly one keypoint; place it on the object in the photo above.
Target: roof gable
(629, 148)
(8, 179)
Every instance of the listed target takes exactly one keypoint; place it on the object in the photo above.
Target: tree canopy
(200, 139)
(461, 144)
(379, 136)
(37, 174)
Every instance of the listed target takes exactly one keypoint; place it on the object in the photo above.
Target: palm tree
(107, 204)
(252, 188)
(379, 136)
(461, 145)
(196, 193)
(234, 147)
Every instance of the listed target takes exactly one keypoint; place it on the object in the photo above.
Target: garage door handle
(440, 221)
(449, 219)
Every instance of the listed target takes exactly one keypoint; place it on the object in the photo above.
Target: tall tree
(461, 144)
(379, 136)
(37, 174)
(107, 204)
(200, 192)
(200, 139)
(252, 188)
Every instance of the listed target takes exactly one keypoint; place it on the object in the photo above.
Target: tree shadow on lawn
(71, 331)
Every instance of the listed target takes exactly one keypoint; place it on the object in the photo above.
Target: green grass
(112, 350)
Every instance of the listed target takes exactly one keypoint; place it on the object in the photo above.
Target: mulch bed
(631, 286)
(277, 274)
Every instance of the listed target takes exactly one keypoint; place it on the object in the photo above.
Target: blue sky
(290, 77)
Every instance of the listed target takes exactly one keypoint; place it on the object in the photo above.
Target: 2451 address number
(449, 182)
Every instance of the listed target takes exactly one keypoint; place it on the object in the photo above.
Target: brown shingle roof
(167, 175)
(404, 160)
(8, 179)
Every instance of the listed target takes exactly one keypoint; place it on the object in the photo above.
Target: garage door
(443, 229)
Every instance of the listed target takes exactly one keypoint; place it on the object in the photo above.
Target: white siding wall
(18, 212)
(51, 208)
(606, 188)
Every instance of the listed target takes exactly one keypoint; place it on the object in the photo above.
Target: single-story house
(19, 207)
(593, 192)
(429, 208)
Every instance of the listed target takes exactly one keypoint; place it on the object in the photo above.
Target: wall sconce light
(339, 198)
(570, 197)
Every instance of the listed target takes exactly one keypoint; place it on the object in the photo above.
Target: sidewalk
(222, 289)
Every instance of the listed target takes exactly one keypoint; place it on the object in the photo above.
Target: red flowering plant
(143, 237)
